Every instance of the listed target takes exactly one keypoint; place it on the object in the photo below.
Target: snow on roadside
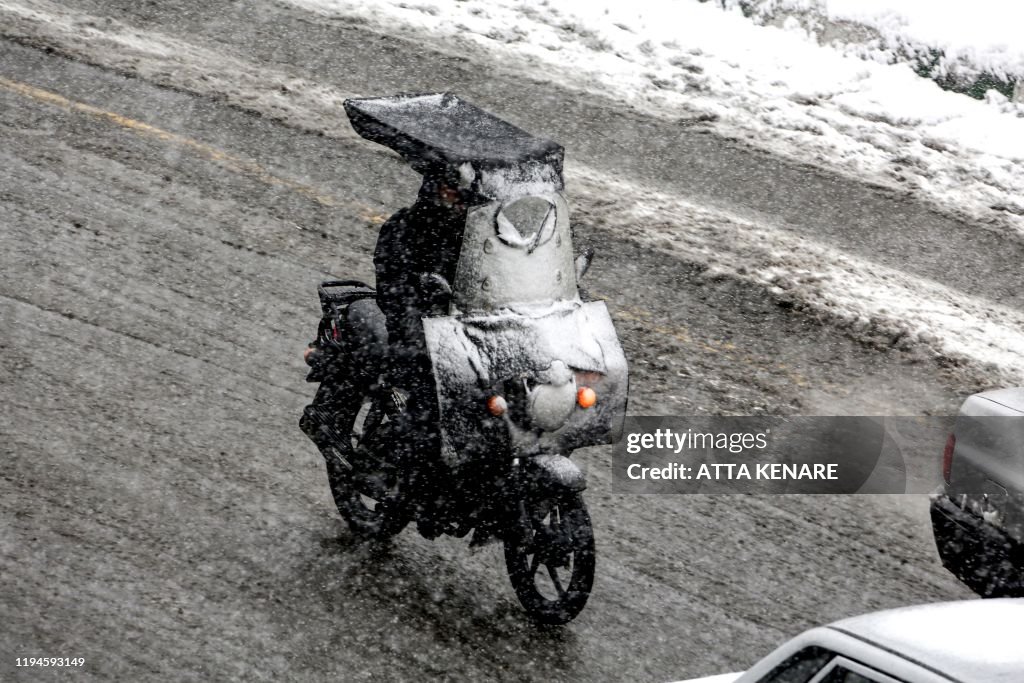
(776, 87)
(868, 300)
(967, 39)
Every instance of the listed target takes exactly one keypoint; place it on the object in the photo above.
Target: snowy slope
(966, 38)
(777, 87)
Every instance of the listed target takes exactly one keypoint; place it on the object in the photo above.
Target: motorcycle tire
(560, 538)
(374, 511)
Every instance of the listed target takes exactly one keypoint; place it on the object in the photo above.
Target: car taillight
(947, 457)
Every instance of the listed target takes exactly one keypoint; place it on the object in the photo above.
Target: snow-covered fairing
(516, 327)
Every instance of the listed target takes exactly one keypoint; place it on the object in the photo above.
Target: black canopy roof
(437, 130)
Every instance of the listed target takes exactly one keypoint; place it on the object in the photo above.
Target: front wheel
(551, 564)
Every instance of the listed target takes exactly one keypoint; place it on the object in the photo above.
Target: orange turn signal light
(586, 397)
(496, 406)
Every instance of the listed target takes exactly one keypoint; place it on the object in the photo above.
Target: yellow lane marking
(229, 161)
(251, 168)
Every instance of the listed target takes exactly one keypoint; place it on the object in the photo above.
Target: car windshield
(800, 667)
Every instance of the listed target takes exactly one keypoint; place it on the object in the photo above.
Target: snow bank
(773, 85)
(967, 39)
(873, 302)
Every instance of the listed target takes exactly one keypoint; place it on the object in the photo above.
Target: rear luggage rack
(333, 303)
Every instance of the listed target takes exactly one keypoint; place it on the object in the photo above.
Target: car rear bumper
(978, 553)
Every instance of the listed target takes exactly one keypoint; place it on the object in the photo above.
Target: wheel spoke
(565, 526)
(553, 573)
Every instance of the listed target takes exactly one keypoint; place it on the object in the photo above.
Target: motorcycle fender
(554, 473)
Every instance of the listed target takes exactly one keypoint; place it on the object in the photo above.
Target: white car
(971, 641)
(978, 517)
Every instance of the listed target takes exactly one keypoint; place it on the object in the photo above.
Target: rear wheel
(367, 488)
(552, 565)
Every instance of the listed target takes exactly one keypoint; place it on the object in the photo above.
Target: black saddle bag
(352, 335)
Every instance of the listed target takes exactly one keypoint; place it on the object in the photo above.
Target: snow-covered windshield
(515, 252)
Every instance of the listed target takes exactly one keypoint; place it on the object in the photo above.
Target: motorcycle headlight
(551, 401)
(550, 406)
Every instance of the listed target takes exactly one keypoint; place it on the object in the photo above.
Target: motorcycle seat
(366, 334)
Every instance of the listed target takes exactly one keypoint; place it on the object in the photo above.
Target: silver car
(978, 517)
(971, 641)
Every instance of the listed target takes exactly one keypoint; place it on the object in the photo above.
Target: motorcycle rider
(415, 258)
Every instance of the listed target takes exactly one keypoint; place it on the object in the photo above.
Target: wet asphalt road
(164, 518)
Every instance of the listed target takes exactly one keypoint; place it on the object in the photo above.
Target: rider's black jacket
(417, 241)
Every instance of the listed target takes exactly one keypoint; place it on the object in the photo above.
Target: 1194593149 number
(49, 661)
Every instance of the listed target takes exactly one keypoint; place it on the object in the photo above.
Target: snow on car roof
(969, 640)
(1012, 398)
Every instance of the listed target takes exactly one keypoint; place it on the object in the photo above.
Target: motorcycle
(526, 370)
